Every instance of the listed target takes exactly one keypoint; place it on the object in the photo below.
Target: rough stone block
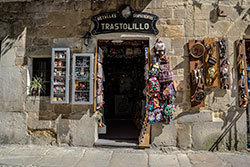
(67, 42)
(33, 122)
(167, 3)
(13, 128)
(179, 51)
(173, 31)
(191, 117)
(219, 28)
(202, 12)
(164, 135)
(84, 131)
(189, 28)
(180, 13)
(178, 43)
(163, 13)
(63, 131)
(205, 135)
(184, 136)
(174, 21)
(200, 28)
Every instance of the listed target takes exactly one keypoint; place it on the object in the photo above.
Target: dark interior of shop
(123, 66)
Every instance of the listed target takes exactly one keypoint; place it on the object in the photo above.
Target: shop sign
(125, 20)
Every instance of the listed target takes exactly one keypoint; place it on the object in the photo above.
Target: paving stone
(125, 159)
(61, 157)
(96, 158)
(163, 160)
(5, 149)
(19, 160)
(184, 160)
(236, 160)
(30, 150)
(206, 159)
(65, 152)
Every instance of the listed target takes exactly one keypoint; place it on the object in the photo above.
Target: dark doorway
(123, 66)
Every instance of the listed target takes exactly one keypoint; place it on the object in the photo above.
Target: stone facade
(32, 28)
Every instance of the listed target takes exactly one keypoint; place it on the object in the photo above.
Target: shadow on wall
(231, 122)
(233, 113)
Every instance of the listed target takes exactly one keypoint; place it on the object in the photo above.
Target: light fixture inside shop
(117, 41)
(86, 38)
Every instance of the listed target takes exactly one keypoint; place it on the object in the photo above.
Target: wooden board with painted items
(196, 56)
(242, 74)
(224, 63)
(211, 63)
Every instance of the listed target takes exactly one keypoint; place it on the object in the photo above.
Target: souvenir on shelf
(242, 74)
(224, 64)
(59, 75)
(82, 79)
(197, 51)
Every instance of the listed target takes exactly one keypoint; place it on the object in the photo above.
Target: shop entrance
(123, 82)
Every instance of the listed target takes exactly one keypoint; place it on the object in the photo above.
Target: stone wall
(32, 28)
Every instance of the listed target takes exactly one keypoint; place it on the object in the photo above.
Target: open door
(144, 138)
(98, 88)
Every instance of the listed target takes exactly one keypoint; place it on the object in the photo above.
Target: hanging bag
(165, 74)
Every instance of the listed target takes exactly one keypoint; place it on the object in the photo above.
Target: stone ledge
(189, 117)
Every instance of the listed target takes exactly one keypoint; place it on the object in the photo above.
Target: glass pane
(59, 76)
(82, 78)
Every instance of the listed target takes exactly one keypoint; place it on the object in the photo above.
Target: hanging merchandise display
(242, 73)
(224, 64)
(100, 88)
(211, 63)
(197, 51)
(161, 91)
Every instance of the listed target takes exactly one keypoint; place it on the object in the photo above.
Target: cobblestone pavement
(51, 156)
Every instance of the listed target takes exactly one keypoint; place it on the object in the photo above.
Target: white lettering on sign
(125, 26)
(144, 16)
(107, 16)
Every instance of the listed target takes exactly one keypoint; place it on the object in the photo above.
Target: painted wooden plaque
(242, 74)
(196, 50)
(225, 81)
(211, 63)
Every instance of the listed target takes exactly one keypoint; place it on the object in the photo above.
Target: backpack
(165, 74)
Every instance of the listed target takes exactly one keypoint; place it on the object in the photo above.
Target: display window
(82, 78)
(60, 75)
